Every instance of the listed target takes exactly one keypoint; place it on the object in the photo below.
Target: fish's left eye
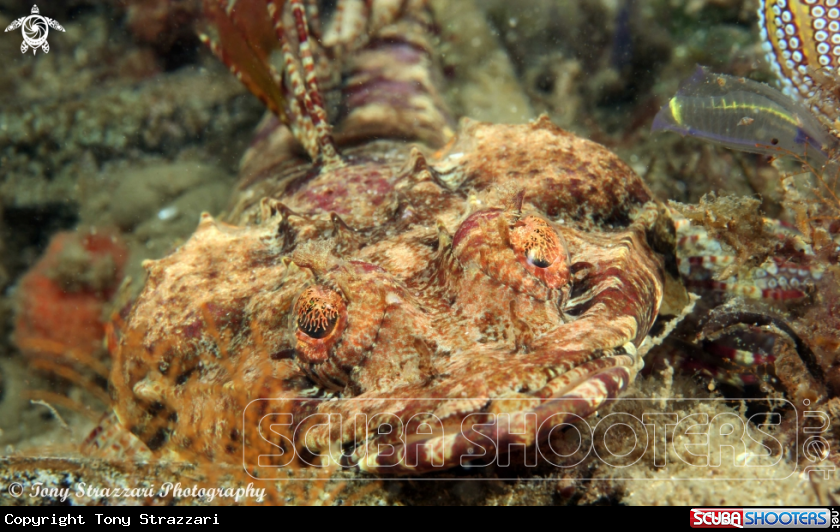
(540, 250)
(320, 314)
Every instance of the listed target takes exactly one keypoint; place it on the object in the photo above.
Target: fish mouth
(441, 432)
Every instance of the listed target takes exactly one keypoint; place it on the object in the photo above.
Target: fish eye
(527, 255)
(536, 258)
(318, 311)
(540, 250)
(536, 241)
(317, 324)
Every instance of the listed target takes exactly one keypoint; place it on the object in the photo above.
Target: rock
(143, 193)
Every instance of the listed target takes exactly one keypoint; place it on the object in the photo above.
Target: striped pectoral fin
(239, 36)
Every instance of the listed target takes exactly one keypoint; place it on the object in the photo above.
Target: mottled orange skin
(428, 269)
(433, 276)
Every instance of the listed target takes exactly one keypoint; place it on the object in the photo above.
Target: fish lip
(598, 381)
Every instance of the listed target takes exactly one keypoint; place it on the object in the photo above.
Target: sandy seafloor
(129, 123)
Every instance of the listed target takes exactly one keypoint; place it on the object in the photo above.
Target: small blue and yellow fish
(802, 41)
(744, 115)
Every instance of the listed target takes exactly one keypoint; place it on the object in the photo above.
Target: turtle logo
(35, 31)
